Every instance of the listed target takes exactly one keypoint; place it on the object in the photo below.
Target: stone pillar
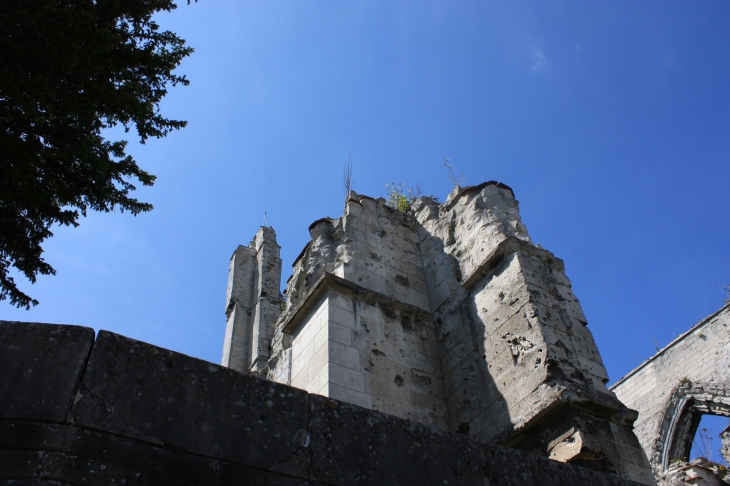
(520, 366)
(239, 306)
(252, 302)
(267, 308)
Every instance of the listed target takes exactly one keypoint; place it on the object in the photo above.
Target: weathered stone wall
(519, 363)
(384, 254)
(481, 332)
(80, 411)
(361, 347)
(239, 308)
(253, 302)
(671, 391)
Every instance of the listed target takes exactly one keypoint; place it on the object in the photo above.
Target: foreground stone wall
(75, 410)
(673, 389)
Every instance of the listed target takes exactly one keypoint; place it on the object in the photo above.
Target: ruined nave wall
(671, 390)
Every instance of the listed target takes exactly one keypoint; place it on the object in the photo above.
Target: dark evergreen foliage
(69, 69)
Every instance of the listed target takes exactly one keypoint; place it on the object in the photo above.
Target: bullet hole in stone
(377, 352)
(401, 280)
(577, 375)
(463, 428)
(398, 380)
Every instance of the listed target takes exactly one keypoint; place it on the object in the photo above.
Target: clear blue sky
(610, 120)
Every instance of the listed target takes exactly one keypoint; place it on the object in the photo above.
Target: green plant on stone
(401, 197)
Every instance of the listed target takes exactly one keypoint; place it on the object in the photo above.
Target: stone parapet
(133, 413)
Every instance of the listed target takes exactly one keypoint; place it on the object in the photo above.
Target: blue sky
(610, 120)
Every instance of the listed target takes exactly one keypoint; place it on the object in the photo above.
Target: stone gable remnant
(448, 316)
(689, 378)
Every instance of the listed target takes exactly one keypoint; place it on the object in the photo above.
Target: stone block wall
(673, 389)
(458, 321)
(363, 348)
(383, 251)
(324, 360)
(75, 410)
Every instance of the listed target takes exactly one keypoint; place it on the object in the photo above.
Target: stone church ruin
(672, 390)
(438, 346)
(448, 316)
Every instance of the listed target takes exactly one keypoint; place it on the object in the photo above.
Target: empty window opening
(707, 442)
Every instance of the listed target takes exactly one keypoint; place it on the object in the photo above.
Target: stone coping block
(40, 367)
(134, 389)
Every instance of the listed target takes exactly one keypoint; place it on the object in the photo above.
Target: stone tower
(253, 302)
(447, 315)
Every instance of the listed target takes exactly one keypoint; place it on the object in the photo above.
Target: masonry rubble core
(448, 315)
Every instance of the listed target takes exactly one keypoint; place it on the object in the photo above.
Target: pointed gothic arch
(686, 406)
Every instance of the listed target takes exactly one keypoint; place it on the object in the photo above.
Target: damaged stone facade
(689, 378)
(448, 315)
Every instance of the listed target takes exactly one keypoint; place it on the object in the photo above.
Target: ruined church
(438, 346)
(447, 315)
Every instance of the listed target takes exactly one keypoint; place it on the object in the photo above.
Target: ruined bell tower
(447, 315)
(252, 302)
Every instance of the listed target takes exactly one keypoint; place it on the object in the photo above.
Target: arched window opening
(683, 421)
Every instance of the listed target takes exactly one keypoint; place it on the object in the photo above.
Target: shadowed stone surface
(380, 449)
(40, 365)
(138, 390)
(145, 415)
(449, 315)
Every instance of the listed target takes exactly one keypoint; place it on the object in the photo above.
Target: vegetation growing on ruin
(459, 180)
(401, 197)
